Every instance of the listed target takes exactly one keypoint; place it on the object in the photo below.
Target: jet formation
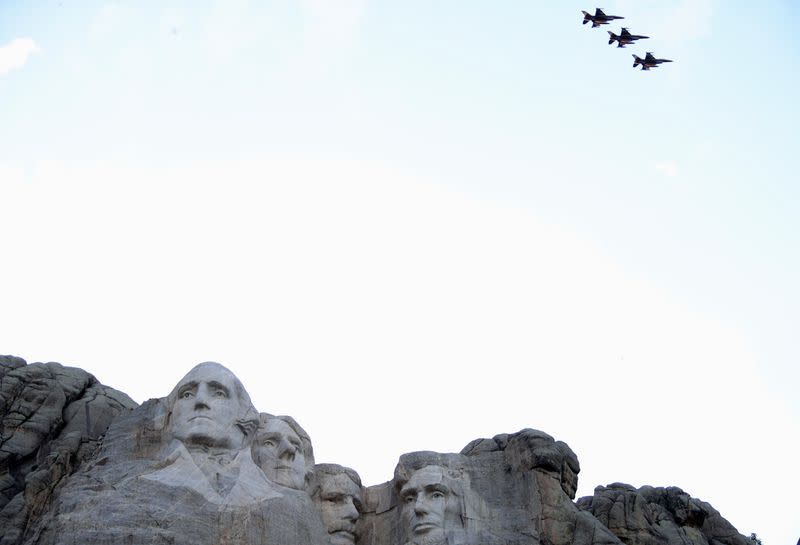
(623, 38)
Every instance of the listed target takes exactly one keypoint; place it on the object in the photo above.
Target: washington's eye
(220, 393)
(437, 495)
(187, 394)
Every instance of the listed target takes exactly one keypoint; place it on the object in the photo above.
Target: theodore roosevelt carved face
(336, 491)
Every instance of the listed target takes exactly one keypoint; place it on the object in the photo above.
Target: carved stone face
(278, 451)
(339, 501)
(206, 408)
(428, 505)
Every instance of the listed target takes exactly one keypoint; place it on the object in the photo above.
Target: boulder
(659, 516)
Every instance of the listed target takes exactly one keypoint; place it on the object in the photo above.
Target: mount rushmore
(82, 463)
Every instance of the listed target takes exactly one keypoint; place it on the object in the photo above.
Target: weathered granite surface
(511, 489)
(80, 463)
(178, 470)
(659, 516)
(51, 419)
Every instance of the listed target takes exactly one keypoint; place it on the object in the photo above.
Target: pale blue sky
(127, 135)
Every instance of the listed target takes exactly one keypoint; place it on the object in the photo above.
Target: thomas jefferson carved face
(206, 408)
(429, 505)
(338, 499)
(278, 451)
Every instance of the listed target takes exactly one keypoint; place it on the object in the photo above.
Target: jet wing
(599, 13)
(624, 32)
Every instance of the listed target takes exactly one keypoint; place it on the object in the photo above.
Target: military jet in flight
(599, 18)
(624, 38)
(648, 62)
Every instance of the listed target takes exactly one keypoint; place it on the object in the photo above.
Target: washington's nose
(201, 399)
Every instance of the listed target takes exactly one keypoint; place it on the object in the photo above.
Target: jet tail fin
(586, 17)
(611, 37)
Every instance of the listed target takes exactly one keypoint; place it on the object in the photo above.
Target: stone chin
(286, 476)
(342, 537)
(206, 431)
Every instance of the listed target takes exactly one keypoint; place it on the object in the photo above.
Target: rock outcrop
(513, 489)
(659, 516)
(51, 419)
(178, 470)
(82, 464)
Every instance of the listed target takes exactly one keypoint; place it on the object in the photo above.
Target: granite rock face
(179, 470)
(659, 516)
(512, 489)
(51, 418)
(82, 464)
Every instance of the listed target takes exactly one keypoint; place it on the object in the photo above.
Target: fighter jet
(648, 62)
(624, 38)
(599, 18)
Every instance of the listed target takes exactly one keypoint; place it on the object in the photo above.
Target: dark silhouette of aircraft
(648, 62)
(624, 38)
(599, 18)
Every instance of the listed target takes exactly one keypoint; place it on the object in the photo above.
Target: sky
(413, 224)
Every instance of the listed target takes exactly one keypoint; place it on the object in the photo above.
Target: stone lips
(80, 463)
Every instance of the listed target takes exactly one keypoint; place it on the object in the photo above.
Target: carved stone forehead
(275, 425)
(340, 483)
(206, 372)
(425, 476)
(211, 371)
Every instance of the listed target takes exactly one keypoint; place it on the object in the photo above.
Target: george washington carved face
(209, 407)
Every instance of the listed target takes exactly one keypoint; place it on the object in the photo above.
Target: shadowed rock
(659, 516)
(51, 419)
